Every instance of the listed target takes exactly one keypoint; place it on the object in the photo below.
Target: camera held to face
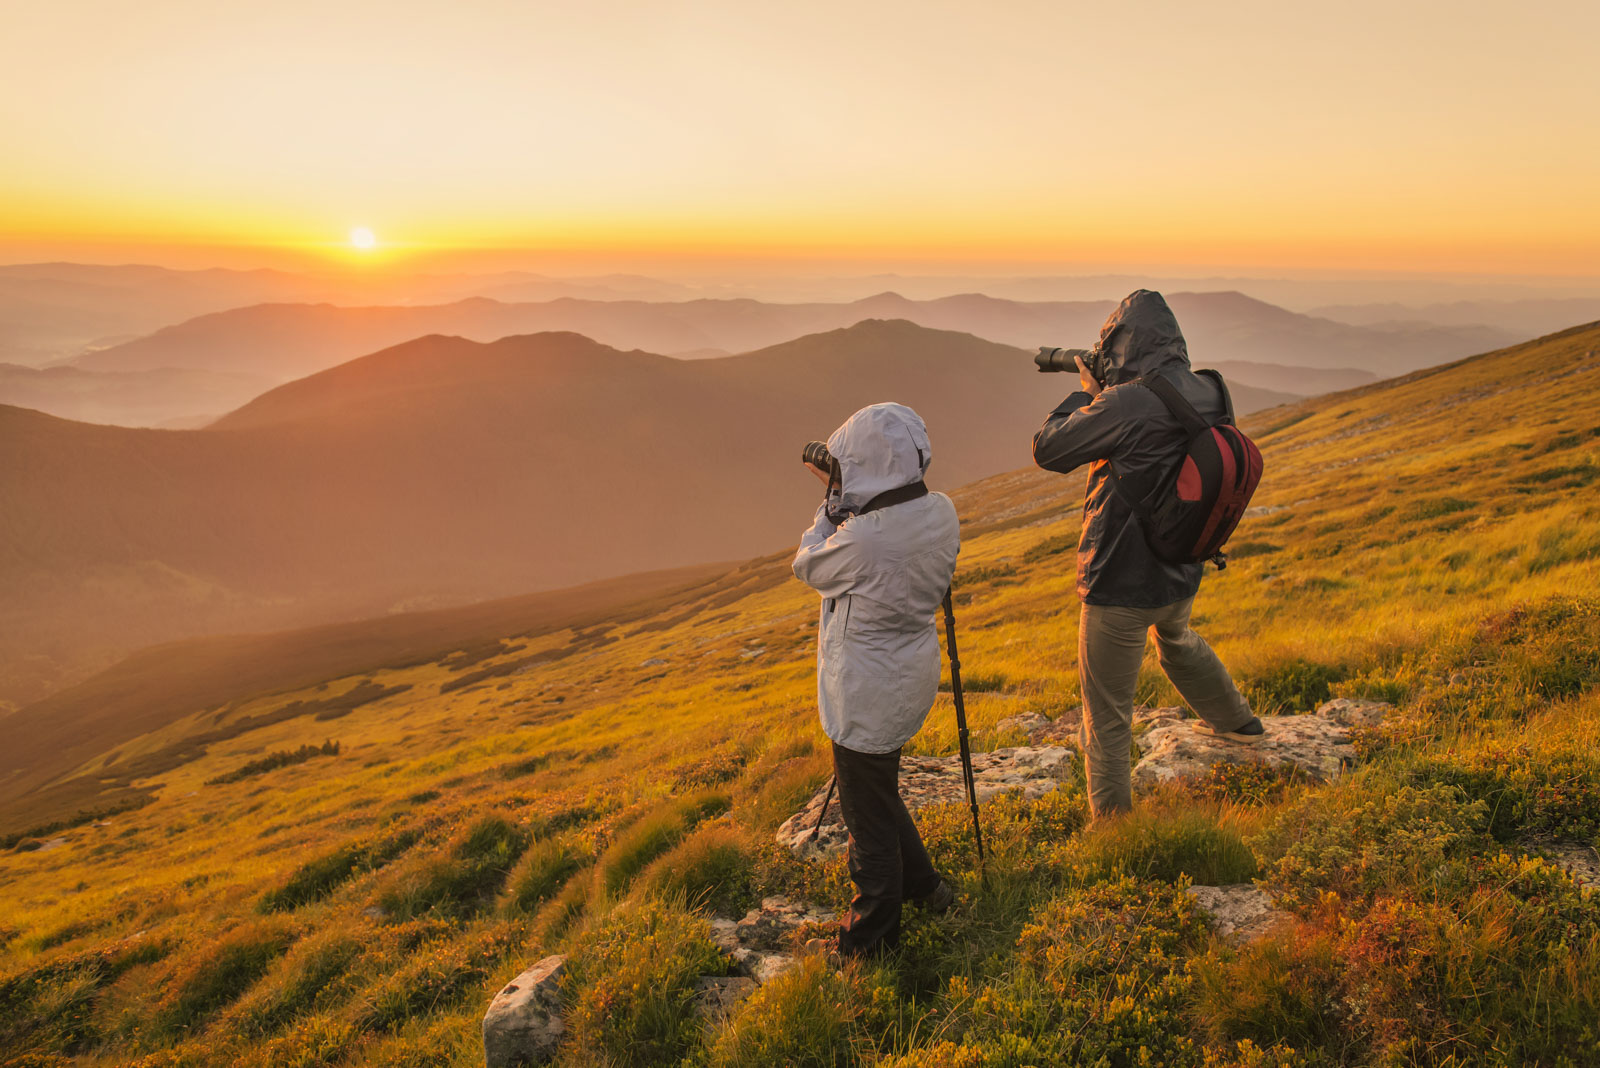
(1057, 359)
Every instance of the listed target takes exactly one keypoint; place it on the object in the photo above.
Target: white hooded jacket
(882, 577)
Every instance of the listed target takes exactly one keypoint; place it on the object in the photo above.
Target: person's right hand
(822, 476)
(1090, 384)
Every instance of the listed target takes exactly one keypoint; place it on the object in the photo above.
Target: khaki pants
(1110, 650)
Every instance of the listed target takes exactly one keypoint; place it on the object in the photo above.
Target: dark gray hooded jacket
(1127, 428)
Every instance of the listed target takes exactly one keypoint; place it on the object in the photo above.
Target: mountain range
(445, 470)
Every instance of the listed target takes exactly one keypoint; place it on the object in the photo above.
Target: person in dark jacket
(1129, 440)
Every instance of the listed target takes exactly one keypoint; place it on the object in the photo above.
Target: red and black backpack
(1193, 510)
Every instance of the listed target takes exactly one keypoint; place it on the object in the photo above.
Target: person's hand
(822, 476)
(1089, 383)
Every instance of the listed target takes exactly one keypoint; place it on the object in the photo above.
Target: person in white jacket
(881, 552)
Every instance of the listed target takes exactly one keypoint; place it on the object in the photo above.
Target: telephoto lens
(816, 454)
(1054, 359)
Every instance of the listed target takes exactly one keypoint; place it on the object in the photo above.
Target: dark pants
(888, 863)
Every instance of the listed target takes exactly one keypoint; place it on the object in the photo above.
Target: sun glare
(363, 238)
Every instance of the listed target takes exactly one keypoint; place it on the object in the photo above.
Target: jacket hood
(1139, 337)
(881, 447)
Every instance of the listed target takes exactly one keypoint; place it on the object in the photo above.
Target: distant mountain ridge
(445, 470)
(289, 340)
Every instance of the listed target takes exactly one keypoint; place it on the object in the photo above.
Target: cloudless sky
(1408, 136)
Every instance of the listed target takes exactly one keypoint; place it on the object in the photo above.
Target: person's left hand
(1089, 383)
(822, 476)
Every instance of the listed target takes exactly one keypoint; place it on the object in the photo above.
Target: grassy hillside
(1432, 541)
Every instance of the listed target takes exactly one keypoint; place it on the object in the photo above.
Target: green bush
(1154, 842)
(1284, 988)
(317, 878)
(467, 880)
(1355, 844)
(1100, 978)
(653, 835)
(1292, 686)
(211, 977)
(630, 981)
(713, 869)
(545, 868)
(812, 1016)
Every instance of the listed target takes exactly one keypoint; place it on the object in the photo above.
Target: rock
(761, 943)
(654, 661)
(1032, 771)
(1348, 712)
(1576, 858)
(1318, 745)
(716, 995)
(375, 912)
(1145, 716)
(1026, 722)
(523, 1024)
(1239, 911)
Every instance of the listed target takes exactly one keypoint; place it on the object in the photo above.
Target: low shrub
(1355, 844)
(1292, 686)
(653, 835)
(630, 982)
(545, 868)
(713, 869)
(316, 972)
(1167, 844)
(812, 1016)
(316, 879)
(212, 976)
(468, 878)
(1284, 988)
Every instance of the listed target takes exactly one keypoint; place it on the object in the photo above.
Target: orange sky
(1394, 136)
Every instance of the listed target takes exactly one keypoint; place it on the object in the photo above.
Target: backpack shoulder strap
(1181, 409)
(1227, 398)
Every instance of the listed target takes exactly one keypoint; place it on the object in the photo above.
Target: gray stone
(717, 995)
(1145, 716)
(762, 942)
(1577, 859)
(1026, 722)
(523, 1024)
(1240, 911)
(1319, 745)
(1031, 771)
(654, 661)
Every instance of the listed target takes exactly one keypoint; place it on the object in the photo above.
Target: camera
(817, 455)
(1054, 359)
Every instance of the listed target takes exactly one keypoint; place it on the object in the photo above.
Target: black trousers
(888, 863)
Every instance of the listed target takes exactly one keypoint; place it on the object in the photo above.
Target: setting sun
(363, 238)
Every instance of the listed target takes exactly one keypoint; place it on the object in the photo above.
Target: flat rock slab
(1241, 912)
(1319, 745)
(1032, 771)
(523, 1024)
(762, 943)
(1577, 859)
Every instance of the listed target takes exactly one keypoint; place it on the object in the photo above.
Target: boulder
(1145, 716)
(1032, 771)
(716, 995)
(1318, 745)
(523, 1024)
(762, 943)
(1239, 911)
(1577, 859)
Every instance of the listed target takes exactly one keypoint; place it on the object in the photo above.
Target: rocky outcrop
(763, 943)
(717, 995)
(1577, 859)
(523, 1024)
(1240, 912)
(1317, 745)
(1032, 771)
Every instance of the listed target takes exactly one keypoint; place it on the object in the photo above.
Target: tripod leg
(822, 814)
(962, 735)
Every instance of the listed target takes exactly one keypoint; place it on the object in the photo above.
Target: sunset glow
(362, 238)
(1362, 137)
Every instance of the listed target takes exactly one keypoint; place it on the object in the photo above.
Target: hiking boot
(939, 901)
(1248, 734)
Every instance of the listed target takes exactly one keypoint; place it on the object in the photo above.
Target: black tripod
(961, 735)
